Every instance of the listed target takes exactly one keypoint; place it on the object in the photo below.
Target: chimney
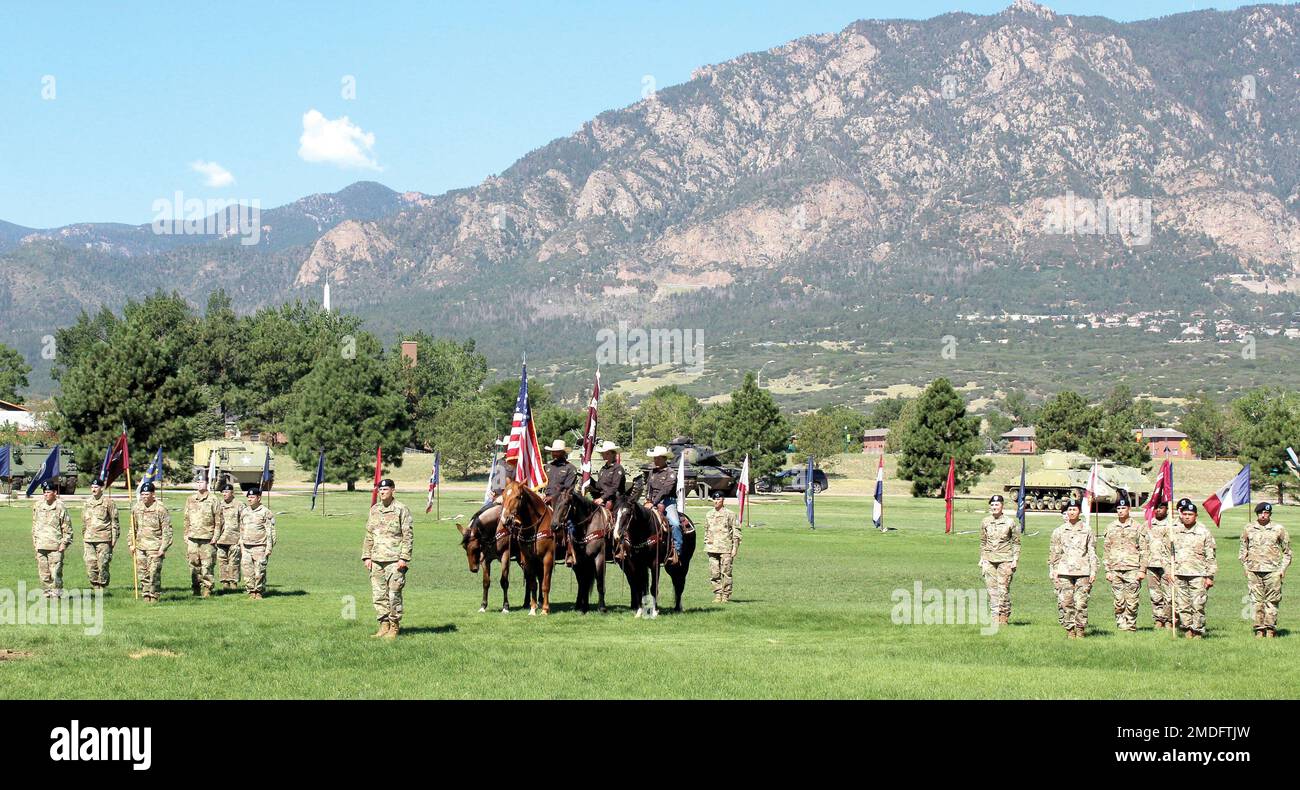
(410, 351)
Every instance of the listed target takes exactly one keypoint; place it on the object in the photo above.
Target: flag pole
(135, 560)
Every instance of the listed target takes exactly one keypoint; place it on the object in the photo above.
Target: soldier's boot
(383, 630)
(717, 598)
(394, 629)
(1080, 633)
(1260, 634)
(195, 586)
(206, 593)
(1272, 633)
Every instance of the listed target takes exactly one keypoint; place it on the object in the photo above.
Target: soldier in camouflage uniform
(999, 554)
(721, 542)
(256, 541)
(386, 553)
(227, 541)
(51, 537)
(150, 539)
(99, 533)
(1127, 551)
(1072, 567)
(203, 524)
(1158, 574)
(1266, 554)
(1194, 568)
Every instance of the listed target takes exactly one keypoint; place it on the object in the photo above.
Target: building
(1022, 440)
(19, 416)
(1166, 443)
(873, 440)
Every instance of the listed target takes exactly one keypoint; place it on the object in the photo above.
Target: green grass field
(811, 618)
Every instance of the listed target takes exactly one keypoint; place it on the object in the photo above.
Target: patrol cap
(1186, 505)
(1263, 507)
(386, 483)
(148, 488)
(254, 491)
(96, 482)
(996, 498)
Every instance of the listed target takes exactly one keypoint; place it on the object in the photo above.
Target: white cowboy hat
(558, 446)
(607, 447)
(503, 442)
(658, 451)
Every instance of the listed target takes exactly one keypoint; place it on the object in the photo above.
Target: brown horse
(645, 548)
(487, 540)
(526, 516)
(591, 524)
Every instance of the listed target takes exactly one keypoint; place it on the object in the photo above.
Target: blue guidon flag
(320, 477)
(808, 494)
(49, 471)
(153, 474)
(6, 467)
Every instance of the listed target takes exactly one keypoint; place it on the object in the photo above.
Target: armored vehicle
(705, 471)
(26, 462)
(238, 460)
(1065, 475)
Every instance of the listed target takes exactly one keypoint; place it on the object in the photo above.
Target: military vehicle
(705, 471)
(238, 460)
(1065, 475)
(26, 462)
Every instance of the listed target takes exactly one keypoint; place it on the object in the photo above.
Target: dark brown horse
(645, 548)
(591, 524)
(525, 514)
(485, 541)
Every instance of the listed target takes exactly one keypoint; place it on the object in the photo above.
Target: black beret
(717, 495)
(254, 491)
(1263, 507)
(147, 488)
(96, 482)
(1187, 505)
(387, 483)
(996, 498)
(1070, 504)
(48, 486)
(1122, 501)
(227, 486)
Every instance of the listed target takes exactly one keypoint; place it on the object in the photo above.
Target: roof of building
(875, 433)
(1023, 432)
(1161, 433)
(7, 406)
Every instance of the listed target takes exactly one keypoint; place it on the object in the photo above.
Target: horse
(591, 525)
(645, 548)
(486, 540)
(528, 519)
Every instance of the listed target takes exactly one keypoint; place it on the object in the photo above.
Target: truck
(238, 460)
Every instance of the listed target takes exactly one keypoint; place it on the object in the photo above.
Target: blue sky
(211, 99)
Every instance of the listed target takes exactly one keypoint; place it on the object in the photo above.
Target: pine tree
(941, 430)
(754, 425)
(1064, 422)
(13, 374)
(463, 433)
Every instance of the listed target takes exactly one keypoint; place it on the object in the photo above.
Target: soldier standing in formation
(1266, 554)
(1158, 568)
(51, 537)
(1193, 567)
(227, 541)
(150, 539)
(203, 525)
(561, 476)
(99, 533)
(1127, 552)
(721, 542)
(661, 495)
(386, 553)
(256, 540)
(1072, 567)
(999, 554)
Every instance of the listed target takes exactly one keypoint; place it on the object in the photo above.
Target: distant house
(1022, 440)
(873, 440)
(19, 416)
(1166, 443)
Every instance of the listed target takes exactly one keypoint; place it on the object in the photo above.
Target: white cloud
(338, 142)
(214, 174)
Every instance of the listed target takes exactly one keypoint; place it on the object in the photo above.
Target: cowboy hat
(503, 442)
(558, 446)
(658, 451)
(607, 447)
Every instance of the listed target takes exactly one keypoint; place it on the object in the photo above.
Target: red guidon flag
(1162, 493)
(589, 435)
(379, 471)
(949, 493)
(522, 446)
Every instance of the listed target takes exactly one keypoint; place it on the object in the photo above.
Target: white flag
(681, 482)
(742, 489)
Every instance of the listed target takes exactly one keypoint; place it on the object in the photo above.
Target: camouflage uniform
(257, 539)
(227, 542)
(1159, 573)
(51, 536)
(1127, 550)
(999, 554)
(203, 523)
(1193, 562)
(1072, 566)
(389, 539)
(721, 539)
(1266, 554)
(99, 533)
(152, 539)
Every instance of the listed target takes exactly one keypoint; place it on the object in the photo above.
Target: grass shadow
(449, 628)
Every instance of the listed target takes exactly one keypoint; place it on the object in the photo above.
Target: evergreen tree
(1064, 421)
(462, 432)
(1270, 422)
(940, 431)
(13, 374)
(1112, 438)
(753, 425)
(615, 419)
(1210, 429)
(820, 435)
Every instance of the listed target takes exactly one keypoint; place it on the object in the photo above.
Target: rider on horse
(561, 476)
(609, 483)
(661, 494)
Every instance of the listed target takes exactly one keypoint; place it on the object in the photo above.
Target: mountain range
(834, 204)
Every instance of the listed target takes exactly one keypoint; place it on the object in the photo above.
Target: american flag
(589, 435)
(433, 482)
(523, 447)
